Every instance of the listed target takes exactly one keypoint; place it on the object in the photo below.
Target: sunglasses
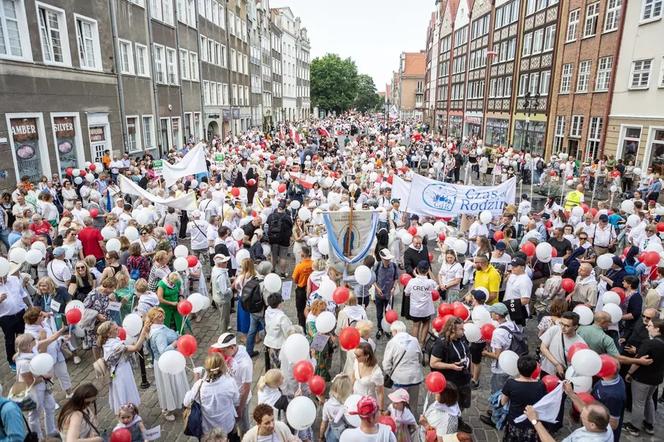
(648, 318)
(80, 268)
(583, 238)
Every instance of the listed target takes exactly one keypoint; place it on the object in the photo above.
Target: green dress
(172, 318)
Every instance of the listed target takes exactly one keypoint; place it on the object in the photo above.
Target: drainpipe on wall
(177, 63)
(155, 94)
(118, 73)
(200, 72)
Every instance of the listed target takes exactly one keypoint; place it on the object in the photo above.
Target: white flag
(192, 163)
(548, 407)
(185, 202)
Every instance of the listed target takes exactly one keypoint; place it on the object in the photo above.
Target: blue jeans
(381, 306)
(4, 237)
(256, 320)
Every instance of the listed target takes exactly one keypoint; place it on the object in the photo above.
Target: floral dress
(99, 302)
(324, 356)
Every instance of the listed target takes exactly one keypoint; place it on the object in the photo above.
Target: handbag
(20, 393)
(193, 416)
(387, 380)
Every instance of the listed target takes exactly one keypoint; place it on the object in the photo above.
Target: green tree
(367, 98)
(333, 83)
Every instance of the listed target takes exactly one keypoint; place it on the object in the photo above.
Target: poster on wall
(65, 141)
(97, 141)
(26, 148)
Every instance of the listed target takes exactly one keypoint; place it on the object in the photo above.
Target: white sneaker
(77, 360)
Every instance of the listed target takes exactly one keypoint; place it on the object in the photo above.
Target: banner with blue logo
(437, 198)
(351, 237)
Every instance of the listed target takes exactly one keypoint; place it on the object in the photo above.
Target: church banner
(350, 236)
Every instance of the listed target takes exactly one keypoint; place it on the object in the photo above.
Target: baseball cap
(220, 257)
(558, 268)
(366, 407)
(500, 245)
(196, 214)
(399, 395)
(479, 295)
(225, 340)
(499, 309)
(59, 251)
(518, 262)
(395, 200)
(603, 217)
(385, 254)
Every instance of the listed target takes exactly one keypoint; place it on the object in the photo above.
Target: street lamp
(530, 105)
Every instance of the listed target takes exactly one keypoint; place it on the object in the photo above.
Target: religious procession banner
(428, 197)
(350, 234)
(184, 202)
(191, 164)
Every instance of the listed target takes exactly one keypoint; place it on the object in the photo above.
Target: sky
(371, 32)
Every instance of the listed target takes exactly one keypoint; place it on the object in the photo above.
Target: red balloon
(341, 295)
(235, 192)
(435, 382)
(441, 236)
(391, 316)
(568, 285)
(303, 370)
(553, 173)
(387, 420)
(621, 292)
(528, 248)
(69, 171)
(585, 207)
(82, 173)
(404, 279)
(586, 397)
(461, 311)
(185, 307)
(435, 296)
(412, 230)
(431, 435)
(554, 253)
(651, 258)
(609, 366)
(169, 229)
(445, 309)
(251, 182)
(660, 226)
(192, 260)
(498, 235)
(73, 316)
(317, 385)
(439, 322)
(430, 257)
(550, 382)
(536, 371)
(593, 211)
(122, 333)
(187, 345)
(487, 331)
(574, 348)
(121, 435)
(92, 167)
(94, 213)
(349, 338)
(281, 188)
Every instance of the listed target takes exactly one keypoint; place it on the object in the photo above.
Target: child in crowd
(130, 419)
(146, 298)
(333, 421)
(400, 412)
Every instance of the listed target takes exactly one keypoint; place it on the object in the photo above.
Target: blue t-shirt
(614, 219)
(613, 395)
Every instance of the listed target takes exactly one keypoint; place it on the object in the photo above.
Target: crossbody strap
(87, 419)
(562, 340)
(398, 361)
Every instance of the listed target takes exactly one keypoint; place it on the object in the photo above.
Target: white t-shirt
(518, 286)
(198, 231)
(419, 290)
(331, 409)
(448, 272)
(501, 340)
(384, 434)
(242, 369)
(551, 338)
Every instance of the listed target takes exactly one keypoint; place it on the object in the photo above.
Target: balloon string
(184, 321)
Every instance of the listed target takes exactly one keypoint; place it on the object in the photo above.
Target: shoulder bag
(387, 380)
(193, 416)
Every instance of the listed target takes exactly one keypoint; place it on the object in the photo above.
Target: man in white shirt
(602, 236)
(12, 308)
(58, 270)
(476, 229)
(519, 287)
(78, 213)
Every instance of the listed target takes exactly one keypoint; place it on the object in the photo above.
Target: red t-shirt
(41, 229)
(90, 238)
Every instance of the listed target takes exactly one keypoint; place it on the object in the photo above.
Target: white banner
(354, 236)
(436, 198)
(185, 202)
(192, 163)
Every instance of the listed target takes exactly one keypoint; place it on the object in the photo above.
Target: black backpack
(519, 341)
(274, 228)
(251, 297)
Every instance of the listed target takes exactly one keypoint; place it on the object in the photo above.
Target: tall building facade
(408, 85)
(302, 52)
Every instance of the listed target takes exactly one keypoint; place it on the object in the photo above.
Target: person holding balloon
(451, 357)
(277, 325)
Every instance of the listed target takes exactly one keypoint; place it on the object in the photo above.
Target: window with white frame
(159, 64)
(142, 60)
(630, 145)
(191, 12)
(604, 66)
(545, 79)
(590, 25)
(640, 78)
(527, 44)
(538, 37)
(171, 66)
(53, 35)
(87, 37)
(576, 127)
(126, 57)
(184, 64)
(559, 134)
(245, 63)
(162, 10)
(533, 83)
(204, 50)
(507, 87)
(133, 134)
(193, 63)
(549, 38)
(246, 95)
(594, 135)
(651, 9)
(566, 78)
(234, 95)
(231, 23)
(572, 25)
(233, 60)
(583, 76)
(523, 85)
(213, 93)
(14, 35)
(220, 97)
(223, 56)
(612, 16)
(206, 92)
(148, 131)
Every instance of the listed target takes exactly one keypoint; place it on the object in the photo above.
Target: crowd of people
(97, 275)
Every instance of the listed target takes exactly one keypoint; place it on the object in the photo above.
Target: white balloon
(406, 238)
(180, 264)
(38, 245)
(326, 288)
(301, 413)
(460, 246)
(627, 206)
(78, 180)
(296, 348)
(89, 177)
(324, 246)
(142, 217)
(524, 220)
(304, 214)
(472, 332)
(33, 257)
(480, 315)
(172, 362)
(637, 171)
(419, 232)
(4, 267)
(543, 251)
(611, 298)
(241, 255)
(113, 245)
(295, 204)
(507, 361)
(428, 230)
(570, 183)
(108, 233)
(615, 311)
(131, 233)
(198, 302)
(438, 227)
(613, 188)
(75, 305)
(181, 251)
(486, 217)
(586, 362)
(363, 275)
(17, 255)
(633, 220)
(76, 172)
(132, 323)
(325, 322)
(238, 234)
(654, 247)
(41, 364)
(580, 383)
(350, 404)
(585, 314)
(605, 261)
(272, 283)
(577, 211)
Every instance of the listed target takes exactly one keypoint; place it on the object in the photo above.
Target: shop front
(473, 125)
(529, 136)
(496, 133)
(455, 128)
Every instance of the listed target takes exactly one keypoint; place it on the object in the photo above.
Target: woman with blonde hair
(82, 281)
(218, 395)
(171, 388)
(72, 245)
(299, 237)
(330, 427)
(116, 355)
(168, 292)
(269, 392)
(246, 274)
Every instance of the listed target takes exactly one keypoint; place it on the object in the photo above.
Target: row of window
(591, 21)
(533, 6)
(166, 66)
(213, 52)
(213, 11)
(535, 83)
(641, 74)
(500, 87)
(602, 78)
(538, 41)
(576, 129)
